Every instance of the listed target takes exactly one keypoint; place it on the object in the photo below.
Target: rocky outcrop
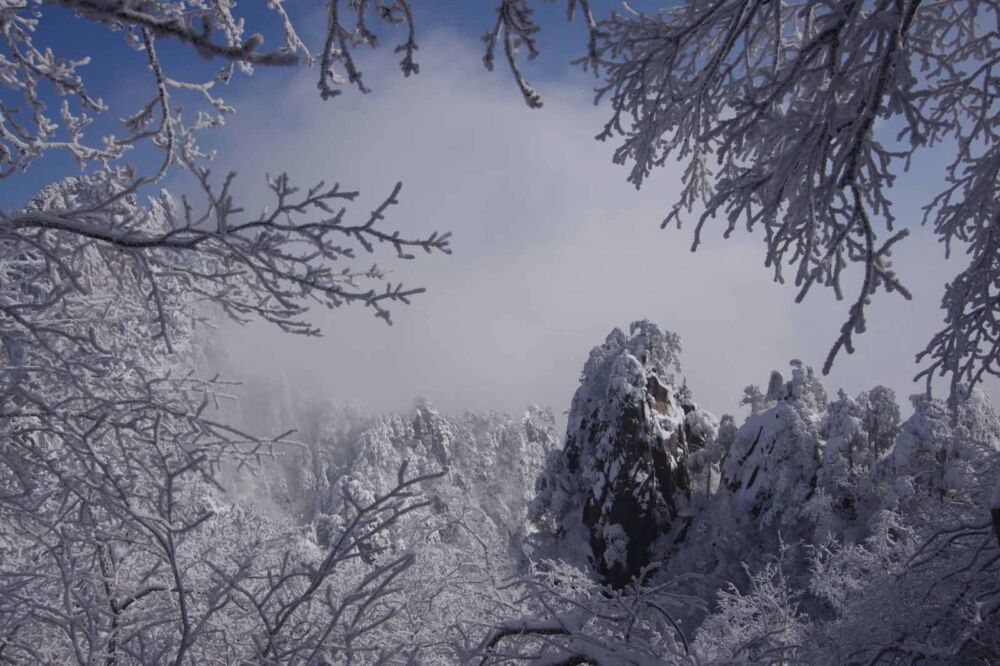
(770, 470)
(629, 437)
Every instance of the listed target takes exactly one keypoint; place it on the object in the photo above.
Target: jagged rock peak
(629, 436)
(656, 350)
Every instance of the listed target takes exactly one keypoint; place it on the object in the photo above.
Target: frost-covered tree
(795, 118)
(880, 418)
(942, 451)
(467, 541)
(856, 434)
(269, 265)
(569, 619)
(924, 550)
(753, 398)
(761, 625)
(117, 545)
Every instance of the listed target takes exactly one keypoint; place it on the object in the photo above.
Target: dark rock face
(995, 513)
(627, 443)
(634, 501)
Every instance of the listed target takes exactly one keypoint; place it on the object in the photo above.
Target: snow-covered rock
(771, 468)
(621, 484)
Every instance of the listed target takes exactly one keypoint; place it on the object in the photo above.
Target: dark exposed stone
(628, 441)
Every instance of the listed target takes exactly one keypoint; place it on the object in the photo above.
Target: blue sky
(552, 247)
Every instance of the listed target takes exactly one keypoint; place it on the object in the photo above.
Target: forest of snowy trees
(821, 530)
(147, 518)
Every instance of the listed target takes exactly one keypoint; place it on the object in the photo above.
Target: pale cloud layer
(552, 249)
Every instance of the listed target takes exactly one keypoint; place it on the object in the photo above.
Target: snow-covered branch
(795, 119)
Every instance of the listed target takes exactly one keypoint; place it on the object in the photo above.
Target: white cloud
(551, 250)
